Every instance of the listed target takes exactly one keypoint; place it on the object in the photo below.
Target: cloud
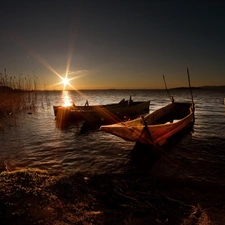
(77, 72)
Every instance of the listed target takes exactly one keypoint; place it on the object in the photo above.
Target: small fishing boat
(115, 114)
(74, 107)
(156, 127)
(105, 114)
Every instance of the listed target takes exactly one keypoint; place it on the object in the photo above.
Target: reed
(18, 93)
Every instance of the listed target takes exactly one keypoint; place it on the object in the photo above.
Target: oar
(190, 88)
(166, 88)
(164, 153)
(148, 131)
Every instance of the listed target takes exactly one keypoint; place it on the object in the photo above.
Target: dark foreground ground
(37, 197)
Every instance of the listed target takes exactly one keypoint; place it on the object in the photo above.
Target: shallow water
(34, 141)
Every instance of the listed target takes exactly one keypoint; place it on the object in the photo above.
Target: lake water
(32, 139)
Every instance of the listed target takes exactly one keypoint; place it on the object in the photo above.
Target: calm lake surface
(32, 139)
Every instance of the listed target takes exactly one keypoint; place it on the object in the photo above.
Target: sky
(102, 44)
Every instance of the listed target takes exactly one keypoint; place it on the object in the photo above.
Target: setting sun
(65, 81)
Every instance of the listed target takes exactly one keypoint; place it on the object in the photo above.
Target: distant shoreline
(221, 87)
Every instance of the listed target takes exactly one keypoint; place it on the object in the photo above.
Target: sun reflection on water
(66, 99)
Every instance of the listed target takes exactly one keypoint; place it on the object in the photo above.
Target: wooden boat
(156, 127)
(106, 114)
(121, 112)
(122, 103)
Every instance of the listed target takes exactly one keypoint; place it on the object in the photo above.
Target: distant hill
(222, 87)
(213, 87)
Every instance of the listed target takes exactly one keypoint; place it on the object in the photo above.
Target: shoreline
(38, 197)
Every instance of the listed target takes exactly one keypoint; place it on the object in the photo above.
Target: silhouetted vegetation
(18, 83)
(18, 93)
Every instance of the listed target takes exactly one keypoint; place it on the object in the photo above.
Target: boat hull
(116, 114)
(104, 114)
(92, 107)
(156, 127)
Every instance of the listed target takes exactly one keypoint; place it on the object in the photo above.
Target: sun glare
(65, 81)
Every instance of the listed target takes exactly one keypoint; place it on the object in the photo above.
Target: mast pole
(171, 98)
(190, 88)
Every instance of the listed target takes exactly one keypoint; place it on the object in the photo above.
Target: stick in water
(166, 88)
(190, 88)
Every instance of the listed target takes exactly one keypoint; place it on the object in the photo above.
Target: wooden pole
(148, 131)
(166, 88)
(190, 88)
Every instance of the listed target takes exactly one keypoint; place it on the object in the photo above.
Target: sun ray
(64, 79)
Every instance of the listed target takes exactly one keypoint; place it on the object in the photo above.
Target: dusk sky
(114, 44)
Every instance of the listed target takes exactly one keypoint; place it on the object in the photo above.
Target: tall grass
(21, 82)
(18, 93)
